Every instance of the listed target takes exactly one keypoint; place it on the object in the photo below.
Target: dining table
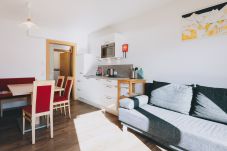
(26, 90)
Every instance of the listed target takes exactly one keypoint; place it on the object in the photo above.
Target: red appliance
(124, 49)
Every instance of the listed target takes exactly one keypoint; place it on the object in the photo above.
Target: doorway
(60, 60)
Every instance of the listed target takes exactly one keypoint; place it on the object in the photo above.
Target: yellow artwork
(207, 24)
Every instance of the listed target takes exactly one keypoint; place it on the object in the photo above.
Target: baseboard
(97, 106)
(89, 102)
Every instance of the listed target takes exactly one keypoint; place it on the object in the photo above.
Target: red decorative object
(125, 48)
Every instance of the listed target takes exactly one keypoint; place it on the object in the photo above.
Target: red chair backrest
(59, 83)
(43, 98)
(43, 92)
(68, 88)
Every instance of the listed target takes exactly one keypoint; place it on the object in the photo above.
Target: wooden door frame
(65, 43)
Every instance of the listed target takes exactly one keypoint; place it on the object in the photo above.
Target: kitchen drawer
(110, 82)
(110, 90)
(109, 103)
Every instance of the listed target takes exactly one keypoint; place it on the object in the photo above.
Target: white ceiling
(76, 15)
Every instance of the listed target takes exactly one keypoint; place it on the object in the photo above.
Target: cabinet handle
(81, 73)
(78, 89)
(108, 86)
(78, 80)
(109, 98)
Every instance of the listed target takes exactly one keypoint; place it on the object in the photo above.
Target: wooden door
(65, 64)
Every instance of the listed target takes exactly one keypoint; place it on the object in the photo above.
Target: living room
(147, 75)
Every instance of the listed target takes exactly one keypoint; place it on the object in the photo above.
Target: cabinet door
(110, 104)
(86, 87)
(89, 64)
(97, 90)
(79, 64)
(80, 85)
(111, 90)
(92, 91)
(109, 98)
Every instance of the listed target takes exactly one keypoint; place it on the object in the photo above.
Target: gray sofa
(176, 129)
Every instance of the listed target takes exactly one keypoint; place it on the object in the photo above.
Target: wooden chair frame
(49, 114)
(66, 103)
(62, 78)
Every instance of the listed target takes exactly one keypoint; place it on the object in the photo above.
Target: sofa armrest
(133, 102)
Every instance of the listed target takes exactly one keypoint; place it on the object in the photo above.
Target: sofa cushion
(210, 103)
(174, 97)
(133, 102)
(148, 89)
(175, 130)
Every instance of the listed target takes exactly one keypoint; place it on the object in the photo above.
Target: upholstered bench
(5, 93)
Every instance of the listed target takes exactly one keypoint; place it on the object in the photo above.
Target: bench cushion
(174, 97)
(6, 81)
(210, 103)
(133, 102)
(5, 94)
(177, 130)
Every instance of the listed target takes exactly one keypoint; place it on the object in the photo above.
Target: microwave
(108, 50)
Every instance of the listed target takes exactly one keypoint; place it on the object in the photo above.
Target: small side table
(131, 88)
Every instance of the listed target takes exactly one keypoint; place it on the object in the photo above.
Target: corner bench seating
(4, 90)
(172, 129)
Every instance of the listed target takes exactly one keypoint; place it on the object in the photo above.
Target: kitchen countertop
(104, 77)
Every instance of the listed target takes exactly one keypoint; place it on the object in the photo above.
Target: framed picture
(207, 22)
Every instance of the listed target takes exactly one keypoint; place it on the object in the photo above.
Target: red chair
(42, 105)
(61, 102)
(60, 83)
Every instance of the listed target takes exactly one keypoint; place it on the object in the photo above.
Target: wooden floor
(65, 139)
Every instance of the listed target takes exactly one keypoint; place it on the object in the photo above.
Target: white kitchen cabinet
(110, 104)
(117, 38)
(101, 93)
(109, 96)
(84, 64)
(89, 91)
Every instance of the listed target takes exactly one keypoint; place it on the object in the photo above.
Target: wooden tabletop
(25, 89)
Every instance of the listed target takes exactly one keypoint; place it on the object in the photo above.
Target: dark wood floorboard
(65, 139)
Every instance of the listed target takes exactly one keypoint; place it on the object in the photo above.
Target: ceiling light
(28, 23)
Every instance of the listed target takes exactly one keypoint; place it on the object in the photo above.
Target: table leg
(29, 99)
(1, 108)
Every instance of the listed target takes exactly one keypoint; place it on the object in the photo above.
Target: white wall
(25, 56)
(20, 55)
(155, 44)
